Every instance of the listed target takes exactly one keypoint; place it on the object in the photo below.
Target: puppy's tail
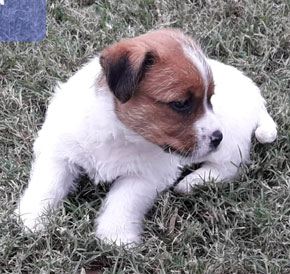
(266, 131)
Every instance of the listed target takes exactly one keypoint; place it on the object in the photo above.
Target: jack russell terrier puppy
(135, 115)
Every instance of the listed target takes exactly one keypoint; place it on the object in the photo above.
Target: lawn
(242, 226)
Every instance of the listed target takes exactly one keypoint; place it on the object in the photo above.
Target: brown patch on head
(160, 92)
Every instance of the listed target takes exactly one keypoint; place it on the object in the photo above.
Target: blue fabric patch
(22, 20)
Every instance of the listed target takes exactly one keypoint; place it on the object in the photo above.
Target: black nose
(216, 138)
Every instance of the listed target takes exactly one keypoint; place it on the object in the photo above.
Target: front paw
(30, 221)
(118, 235)
(187, 184)
(29, 216)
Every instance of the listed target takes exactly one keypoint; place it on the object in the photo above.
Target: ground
(242, 226)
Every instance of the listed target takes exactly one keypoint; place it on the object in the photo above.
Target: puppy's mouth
(170, 149)
(194, 153)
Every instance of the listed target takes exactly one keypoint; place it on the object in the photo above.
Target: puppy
(136, 115)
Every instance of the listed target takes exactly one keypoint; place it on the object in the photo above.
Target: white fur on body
(82, 130)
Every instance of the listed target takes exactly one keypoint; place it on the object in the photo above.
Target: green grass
(237, 227)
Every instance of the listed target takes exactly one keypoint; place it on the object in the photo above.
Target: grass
(241, 226)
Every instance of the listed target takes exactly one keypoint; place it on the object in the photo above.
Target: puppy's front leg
(207, 172)
(50, 182)
(125, 206)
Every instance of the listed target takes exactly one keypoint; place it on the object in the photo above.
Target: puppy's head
(162, 86)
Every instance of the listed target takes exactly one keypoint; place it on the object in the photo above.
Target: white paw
(30, 221)
(118, 235)
(29, 216)
(266, 135)
(187, 184)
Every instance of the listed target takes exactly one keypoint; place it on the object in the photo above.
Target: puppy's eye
(209, 104)
(183, 107)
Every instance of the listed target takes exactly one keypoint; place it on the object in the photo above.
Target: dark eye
(183, 107)
(209, 104)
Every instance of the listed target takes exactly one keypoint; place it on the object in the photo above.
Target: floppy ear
(124, 67)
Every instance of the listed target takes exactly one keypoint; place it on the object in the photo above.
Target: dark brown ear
(124, 68)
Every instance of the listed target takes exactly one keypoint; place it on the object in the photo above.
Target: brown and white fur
(136, 115)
